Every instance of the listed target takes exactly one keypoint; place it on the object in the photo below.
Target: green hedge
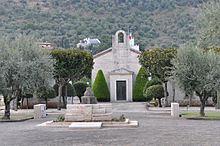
(100, 87)
(140, 82)
(80, 88)
(155, 91)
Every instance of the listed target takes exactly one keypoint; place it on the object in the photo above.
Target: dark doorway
(121, 90)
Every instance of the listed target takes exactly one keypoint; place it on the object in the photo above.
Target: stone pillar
(39, 111)
(175, 109)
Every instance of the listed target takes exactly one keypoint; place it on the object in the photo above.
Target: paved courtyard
(156, 128)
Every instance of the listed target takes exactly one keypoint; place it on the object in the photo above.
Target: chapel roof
(110, 49)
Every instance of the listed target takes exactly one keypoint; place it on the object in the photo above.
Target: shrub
(155, 91)
(100, 87)
(139, 85)
(80, 88)
(154, 81)
(60, 118)
(70, 90)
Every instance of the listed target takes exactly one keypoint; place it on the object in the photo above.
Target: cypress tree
(100, 87)
(139, 85)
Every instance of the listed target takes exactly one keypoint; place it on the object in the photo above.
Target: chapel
(120, 66)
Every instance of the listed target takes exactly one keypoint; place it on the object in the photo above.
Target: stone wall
(88, 112)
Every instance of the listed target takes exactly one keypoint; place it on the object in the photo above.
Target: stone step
(93, 125)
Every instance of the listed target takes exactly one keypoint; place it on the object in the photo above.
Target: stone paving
(156, 128)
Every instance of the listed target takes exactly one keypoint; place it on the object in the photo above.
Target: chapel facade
(120, 66)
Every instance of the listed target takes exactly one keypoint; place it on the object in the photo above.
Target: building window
(120, 37)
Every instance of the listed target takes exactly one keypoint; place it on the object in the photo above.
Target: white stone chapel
(120, 66)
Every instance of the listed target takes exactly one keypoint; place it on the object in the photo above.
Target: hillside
(154, 23)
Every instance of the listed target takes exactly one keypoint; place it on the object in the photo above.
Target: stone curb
(22, 120)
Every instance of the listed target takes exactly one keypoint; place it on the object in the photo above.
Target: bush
(139, 86)
(154, 81)
(155, 91)
(100, 87)
(60, 118)
(70, 90)
(80, 88)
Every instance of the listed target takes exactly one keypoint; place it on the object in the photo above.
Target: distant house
(46, 45)
(88, 42)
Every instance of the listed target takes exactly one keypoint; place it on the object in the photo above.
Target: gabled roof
(102, 53)
(121, 71)
(110, 49)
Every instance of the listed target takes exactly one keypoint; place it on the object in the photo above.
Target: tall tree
(24, 66)
(70, 65)
(209, 22)
(158, 62)
(197, 71)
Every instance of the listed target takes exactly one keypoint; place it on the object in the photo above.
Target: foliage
(45, 93)
(155, 23)
(155, 91)
(100, 87)
(140, 82)
(208, 22)
(71, 64)
(60, 118)
(23, 67)
(196, 71)
(158, 63)
(154, 81)
(80, 88)
(70, 90)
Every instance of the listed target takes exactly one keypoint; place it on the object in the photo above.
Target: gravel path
(156, 129)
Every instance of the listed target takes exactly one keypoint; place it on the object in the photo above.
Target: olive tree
(197, 71)
(24, 67)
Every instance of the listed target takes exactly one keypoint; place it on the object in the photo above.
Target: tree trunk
(165, 94)
(65, 97)
(202, 108)
(159, 100)
(7, 108)
(46, 102)
(22, 102)
(27, 103)
(190, 99)
(174, 91)
(218, 100)
(60, 95)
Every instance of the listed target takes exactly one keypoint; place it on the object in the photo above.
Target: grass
(17, 117)
(195, 115)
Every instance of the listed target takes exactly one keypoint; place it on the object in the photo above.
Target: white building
(120, 66)
(88, 42)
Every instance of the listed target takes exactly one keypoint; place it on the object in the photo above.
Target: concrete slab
(44, 124)
(90, 125)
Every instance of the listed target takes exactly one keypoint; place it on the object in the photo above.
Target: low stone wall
(88, 112)
(194, 102)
